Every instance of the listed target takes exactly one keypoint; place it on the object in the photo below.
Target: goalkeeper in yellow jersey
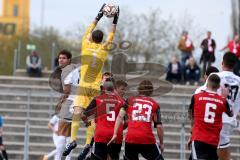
(94, 54)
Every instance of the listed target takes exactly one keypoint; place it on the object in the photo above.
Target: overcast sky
(211, 15)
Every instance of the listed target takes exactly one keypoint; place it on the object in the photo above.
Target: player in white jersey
(209, 71)
(70, 86)
(53, 125)
(229, 87)
(232, 82)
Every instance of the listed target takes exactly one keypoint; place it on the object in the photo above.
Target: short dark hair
(229, 60)
(120, 83)
(109, 84)
(97, 36)
(107, 74)
(145, 88)
(214, 81)
(67, 53)
(211, 69)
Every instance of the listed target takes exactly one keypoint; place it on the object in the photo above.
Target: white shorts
(224, 141)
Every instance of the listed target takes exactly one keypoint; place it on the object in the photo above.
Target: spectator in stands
(174, 70)
(2, 148)
(34, 63)
(192, 72)
(186, 47)
(234, 47)
(208, 46)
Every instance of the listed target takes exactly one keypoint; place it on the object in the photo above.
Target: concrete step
(183, 100)
(23, 73)
(24, 80)
(34, 97)
(19, 128)
(22, 120)
(23, 113)
(47, 137)
(36, 105)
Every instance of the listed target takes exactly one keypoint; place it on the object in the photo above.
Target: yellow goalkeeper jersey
(92, 61)
(93, 57)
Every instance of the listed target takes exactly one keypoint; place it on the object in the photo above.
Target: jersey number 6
(209, 115)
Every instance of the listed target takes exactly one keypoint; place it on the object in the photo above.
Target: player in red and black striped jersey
(206, 111)
(142, 111)
(105, 109)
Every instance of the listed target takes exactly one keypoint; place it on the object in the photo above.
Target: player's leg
(90, 132)
(93, 92)
(76, 122)
(151, 151)
(82, 97)
(224, 142)
(84, 153)
(52, 154)
(64, 130)
(2, 148)
(74, 130)
(99, 151)
(114, 151)
(85, 98)
(60, 147)
(131, 151)
(67, 142)
(201, 150)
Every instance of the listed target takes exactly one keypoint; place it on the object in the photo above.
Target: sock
(5, 154)
(74, 130)
(89, 134)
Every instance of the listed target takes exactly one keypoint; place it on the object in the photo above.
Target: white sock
(61, 143)
(51, 154)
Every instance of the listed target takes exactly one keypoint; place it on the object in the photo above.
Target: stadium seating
(14, 104)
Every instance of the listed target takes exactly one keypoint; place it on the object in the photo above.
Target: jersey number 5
(111, 116)
(209, 115)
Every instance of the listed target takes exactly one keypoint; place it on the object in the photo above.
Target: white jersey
(232, 82)
(54, 121)
(73, 80)
(200, 89)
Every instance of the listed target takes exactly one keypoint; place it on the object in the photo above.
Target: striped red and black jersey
(106, 108)
(141, 111)
(207, 109)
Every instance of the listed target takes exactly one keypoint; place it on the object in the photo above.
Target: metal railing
(27, 128)
(28, 124)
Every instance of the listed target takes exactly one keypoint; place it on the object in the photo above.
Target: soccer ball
(110, 10)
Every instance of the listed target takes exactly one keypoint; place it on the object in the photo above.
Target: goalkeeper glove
(115, 19)
(100, 13)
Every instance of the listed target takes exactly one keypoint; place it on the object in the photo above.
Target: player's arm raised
(87, 35)
(113, 30)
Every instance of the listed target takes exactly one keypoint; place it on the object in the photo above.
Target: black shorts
(1, 141)
(101, 150)
(201, 150)
(148, 151)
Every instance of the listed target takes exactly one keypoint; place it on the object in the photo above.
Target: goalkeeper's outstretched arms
(88, 33)
(113, 29)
